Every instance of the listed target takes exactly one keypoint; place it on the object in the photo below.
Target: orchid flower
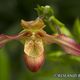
(34, 37)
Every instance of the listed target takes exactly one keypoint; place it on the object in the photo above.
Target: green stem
(56, 21)
(58, 26)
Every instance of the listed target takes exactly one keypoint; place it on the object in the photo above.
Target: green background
(12, 66)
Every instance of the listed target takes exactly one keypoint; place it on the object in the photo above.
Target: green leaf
(4, 65)
(76, 29)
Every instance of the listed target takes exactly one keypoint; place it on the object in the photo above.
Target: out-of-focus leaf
(55, 55)
(4, 65)
(77, 58)
(76, 29)
(66, 31)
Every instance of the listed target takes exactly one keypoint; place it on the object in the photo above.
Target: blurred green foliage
(12, 66)
(76, 29)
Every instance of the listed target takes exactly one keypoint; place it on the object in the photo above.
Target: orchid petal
(33, 25)
(5, 38)
(47, 39)
(34, 63)
(34, 48)
(68, 44)
(34, 54)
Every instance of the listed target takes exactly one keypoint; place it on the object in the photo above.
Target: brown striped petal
(6, 38)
